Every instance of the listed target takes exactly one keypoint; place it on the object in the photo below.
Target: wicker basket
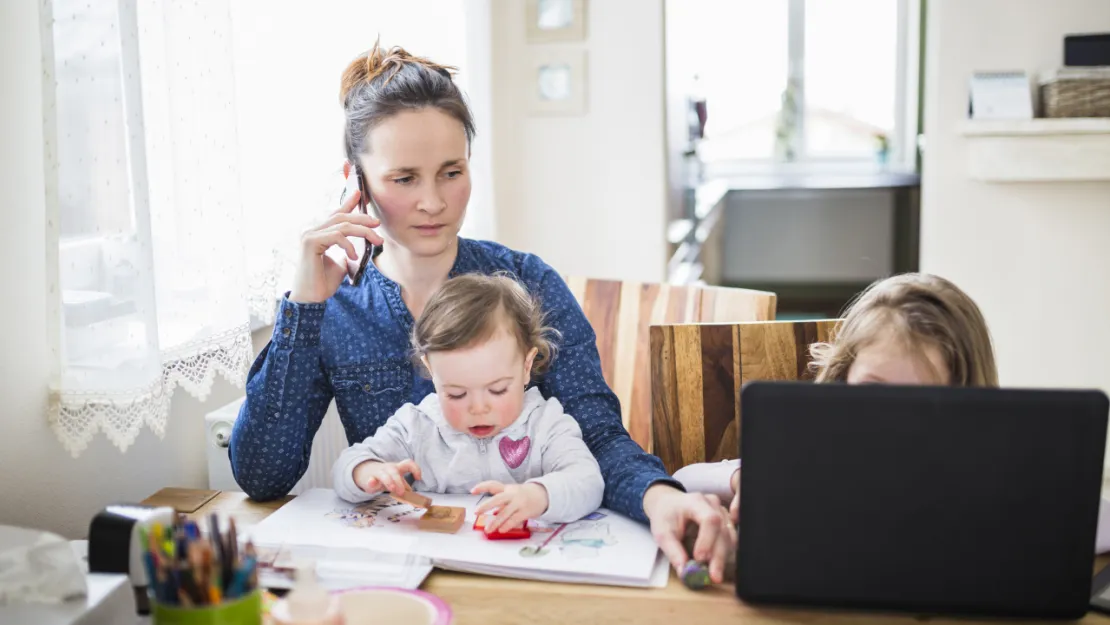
(1076, 92)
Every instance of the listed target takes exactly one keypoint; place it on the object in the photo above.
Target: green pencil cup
(243, 611)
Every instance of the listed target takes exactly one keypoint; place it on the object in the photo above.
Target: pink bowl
(367, 605)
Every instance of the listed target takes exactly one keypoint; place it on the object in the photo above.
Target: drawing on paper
(535, 551)
(366, 513)
(576, 541)
(586, 540)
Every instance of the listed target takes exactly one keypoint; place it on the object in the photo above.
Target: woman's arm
(575, 379)
(571, 474)
(287, 397)
(635, 482)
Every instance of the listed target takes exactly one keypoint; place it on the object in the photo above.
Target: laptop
(928, 500)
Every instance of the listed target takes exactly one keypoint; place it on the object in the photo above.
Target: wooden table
(481, 600)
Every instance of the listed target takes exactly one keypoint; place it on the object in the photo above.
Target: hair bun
(377, 62)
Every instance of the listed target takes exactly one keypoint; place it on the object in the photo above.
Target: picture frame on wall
(555, 20)
(557, 82)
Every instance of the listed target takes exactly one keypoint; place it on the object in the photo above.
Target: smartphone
(355, 268)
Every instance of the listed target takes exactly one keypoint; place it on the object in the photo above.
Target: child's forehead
(479, 363)
(500, 342)
(897, 361)
(894, 341)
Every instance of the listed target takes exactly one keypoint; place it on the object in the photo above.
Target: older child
(481, 338)
(908, 329)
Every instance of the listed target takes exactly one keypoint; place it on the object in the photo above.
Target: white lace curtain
(144, 210)
(187, 146)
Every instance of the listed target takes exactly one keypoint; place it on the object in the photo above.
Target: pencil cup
(245, 610)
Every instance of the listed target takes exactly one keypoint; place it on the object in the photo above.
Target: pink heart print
(514, 452)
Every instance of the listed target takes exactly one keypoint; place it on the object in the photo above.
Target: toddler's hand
(373, 476)
(515, 503)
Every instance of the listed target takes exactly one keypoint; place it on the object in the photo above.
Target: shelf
(1043, 126)
(825, 181)
(1038, 150)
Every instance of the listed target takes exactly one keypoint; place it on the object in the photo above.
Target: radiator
(330, 441)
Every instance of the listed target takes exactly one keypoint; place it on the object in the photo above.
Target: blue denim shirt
(355, 348)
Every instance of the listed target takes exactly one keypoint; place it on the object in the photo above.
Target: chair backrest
(622, 312)
(697, 371)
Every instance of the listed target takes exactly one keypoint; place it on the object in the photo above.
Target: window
(187, 145)
(95, 195)
(814, 82)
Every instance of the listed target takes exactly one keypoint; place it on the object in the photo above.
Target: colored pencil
(188, 569)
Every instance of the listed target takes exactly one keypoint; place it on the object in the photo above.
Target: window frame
(903, 139)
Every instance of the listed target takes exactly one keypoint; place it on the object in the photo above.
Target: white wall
(1036, 257)
(290, 122)
(41, 485)
(678, 67)
(586, 193)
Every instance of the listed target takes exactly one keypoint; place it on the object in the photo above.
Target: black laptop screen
(926, 499)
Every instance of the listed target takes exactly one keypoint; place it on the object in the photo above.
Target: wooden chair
(621, 312)
(697, 371)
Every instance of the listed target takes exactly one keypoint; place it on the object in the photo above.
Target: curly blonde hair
(471, 308)
(918, 310)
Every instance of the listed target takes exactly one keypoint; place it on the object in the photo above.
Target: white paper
(1001, 95)
(603, 548)
(340, 569)
(660, 574)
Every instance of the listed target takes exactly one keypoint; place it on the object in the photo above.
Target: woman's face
(417, 168)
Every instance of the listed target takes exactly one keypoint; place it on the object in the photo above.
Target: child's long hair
(919, 310)
(471, 308)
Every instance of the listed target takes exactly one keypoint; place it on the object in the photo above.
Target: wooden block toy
(515, 533)
(445, 519)
(414, 498)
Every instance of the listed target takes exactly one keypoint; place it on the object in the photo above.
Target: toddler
(481, 339)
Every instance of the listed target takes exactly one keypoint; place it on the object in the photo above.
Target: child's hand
(515, 503)
(373, 476)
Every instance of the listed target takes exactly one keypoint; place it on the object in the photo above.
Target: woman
(407, 134)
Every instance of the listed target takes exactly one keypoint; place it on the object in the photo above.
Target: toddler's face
(887, 361)
(481, 387)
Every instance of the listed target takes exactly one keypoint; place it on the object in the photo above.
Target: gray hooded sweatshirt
(544, 445)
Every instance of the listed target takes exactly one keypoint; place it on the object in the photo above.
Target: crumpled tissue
(38, 567)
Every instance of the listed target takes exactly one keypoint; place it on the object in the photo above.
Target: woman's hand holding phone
(318, 276)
